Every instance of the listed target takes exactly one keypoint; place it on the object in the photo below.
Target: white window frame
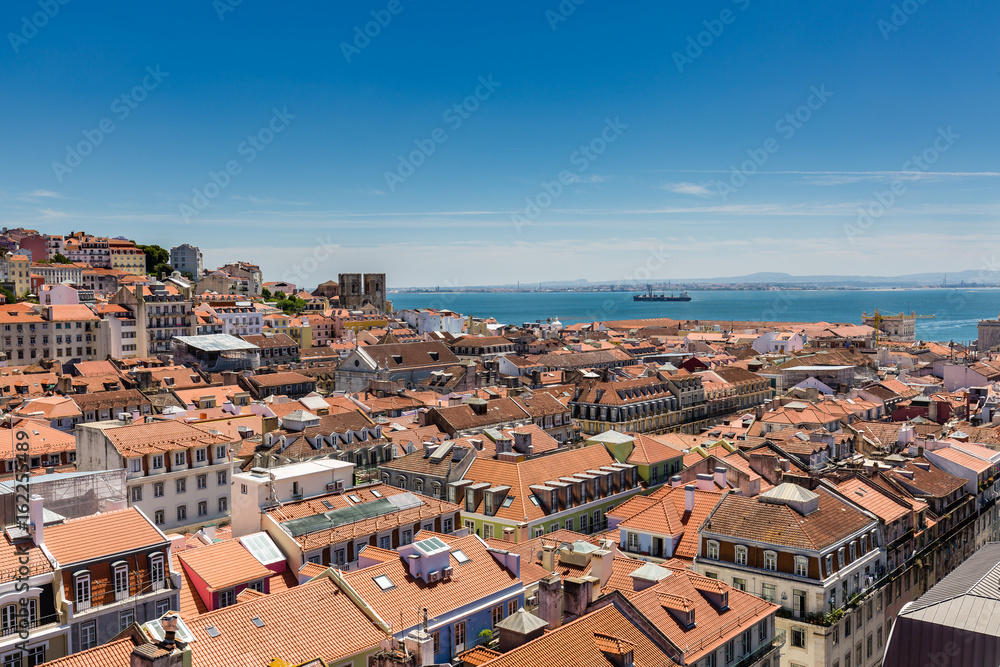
(712, 550)
(157, 574)
(804, 563)
(82, 592)
(771, 560)
(120, 574)
(740, 555)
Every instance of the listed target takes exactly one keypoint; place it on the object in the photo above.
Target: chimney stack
(689, 497)
(550, 600)
(720, 476)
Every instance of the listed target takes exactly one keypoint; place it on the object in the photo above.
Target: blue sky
(472, 143)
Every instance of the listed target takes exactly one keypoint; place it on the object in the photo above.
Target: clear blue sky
(675, 116)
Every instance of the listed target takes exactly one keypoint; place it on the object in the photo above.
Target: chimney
(601, 562)
(166, 653)
(550, 600)
(689, 497)
(705, 482)
(36, 520)
(420, 643)
(720, 477)
(522, 441)
(577, 595)
(676, 481)
(65, 384)
(548, 557)
(785, 464)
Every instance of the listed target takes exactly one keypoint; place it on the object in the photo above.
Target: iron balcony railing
(763, 650)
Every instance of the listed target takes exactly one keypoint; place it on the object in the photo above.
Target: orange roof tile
(223, 565)
(119, 531)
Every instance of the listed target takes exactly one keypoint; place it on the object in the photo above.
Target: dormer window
(81, 584)
(801, 566)
(713, 550)
(770, 560)
(741, 555)
(121, 581)
(854, 551)
(179, 458)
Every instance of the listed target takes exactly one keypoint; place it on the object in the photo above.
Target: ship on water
(649, 296)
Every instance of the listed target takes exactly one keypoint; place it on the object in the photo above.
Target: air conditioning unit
(434, 576)
(337, 485)
(448, 571)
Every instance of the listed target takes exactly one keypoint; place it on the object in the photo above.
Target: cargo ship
(649, 296)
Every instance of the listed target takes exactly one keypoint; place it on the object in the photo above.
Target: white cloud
(685, 188)
(42, 194)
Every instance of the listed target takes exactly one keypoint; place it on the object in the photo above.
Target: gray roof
(522, 622)
(216, 342)
(961, 610)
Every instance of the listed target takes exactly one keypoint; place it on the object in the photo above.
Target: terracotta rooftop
(119, 531)
(223, 565)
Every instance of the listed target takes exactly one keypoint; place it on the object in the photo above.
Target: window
(511, 607)
(408, 536)
(437, 642)
(878, 637)
(125, 619)
(121, 581)
(158, 518)
(243, 489)
(633, 541)
(741, 555)
(385, 542)
(162, 607)
(223, 504)
(203, 508)
(158, 490)
(801, 566)
(710, 660)
(798, 637)
(136, 494)
(82, 585)
(220, 478)
(36, 655)
(745, 642)
(157, 460)
(460, 557)
(847, 627)
(182, 513)
(770, 560)
(730, 651)
(135, 465)
(226, 598)
(868, 646)
(836, 635)
(497, 614)
(202, 481)
(220, 452)
(8, 617)
(829, 564)
(179, 458)
(88, 635)
(460, 634)
(767, 592)
(181, 485)
(713, 550)
(739, 584)
(447, 525)
(569, 523)
(762, 631)
(201, 455)
(854, 551)
(384, 582)
(156, 571)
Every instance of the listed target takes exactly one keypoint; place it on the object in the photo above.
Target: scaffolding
(68, 494)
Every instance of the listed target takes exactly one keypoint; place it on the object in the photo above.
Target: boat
(649, 296)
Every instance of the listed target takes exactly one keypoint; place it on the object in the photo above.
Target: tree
(155, 255)
(161, 268)
(292, 305)
(61, 259)
(188, 275)
(280, 296)
(266, 293)
(8, 295)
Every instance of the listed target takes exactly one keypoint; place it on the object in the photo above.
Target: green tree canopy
(155, 255)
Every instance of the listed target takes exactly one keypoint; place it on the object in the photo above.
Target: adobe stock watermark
(121, 107)
(698, 42)
(223, 7)
(786, 127)
(30, 25)
(305, 267)
(899, 17)
(363, 35)
(656, 259)
(562, 12)
(582, 158)
(883, 200)
(453, 116)
(248, 149)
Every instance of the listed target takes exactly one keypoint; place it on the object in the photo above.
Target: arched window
(713, 550)
(770, 560)
(418, 485)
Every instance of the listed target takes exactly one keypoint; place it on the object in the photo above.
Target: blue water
(956, 311)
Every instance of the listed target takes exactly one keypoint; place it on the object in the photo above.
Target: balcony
(763, 651)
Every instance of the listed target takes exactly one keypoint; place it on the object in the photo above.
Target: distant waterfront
(956, 310)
